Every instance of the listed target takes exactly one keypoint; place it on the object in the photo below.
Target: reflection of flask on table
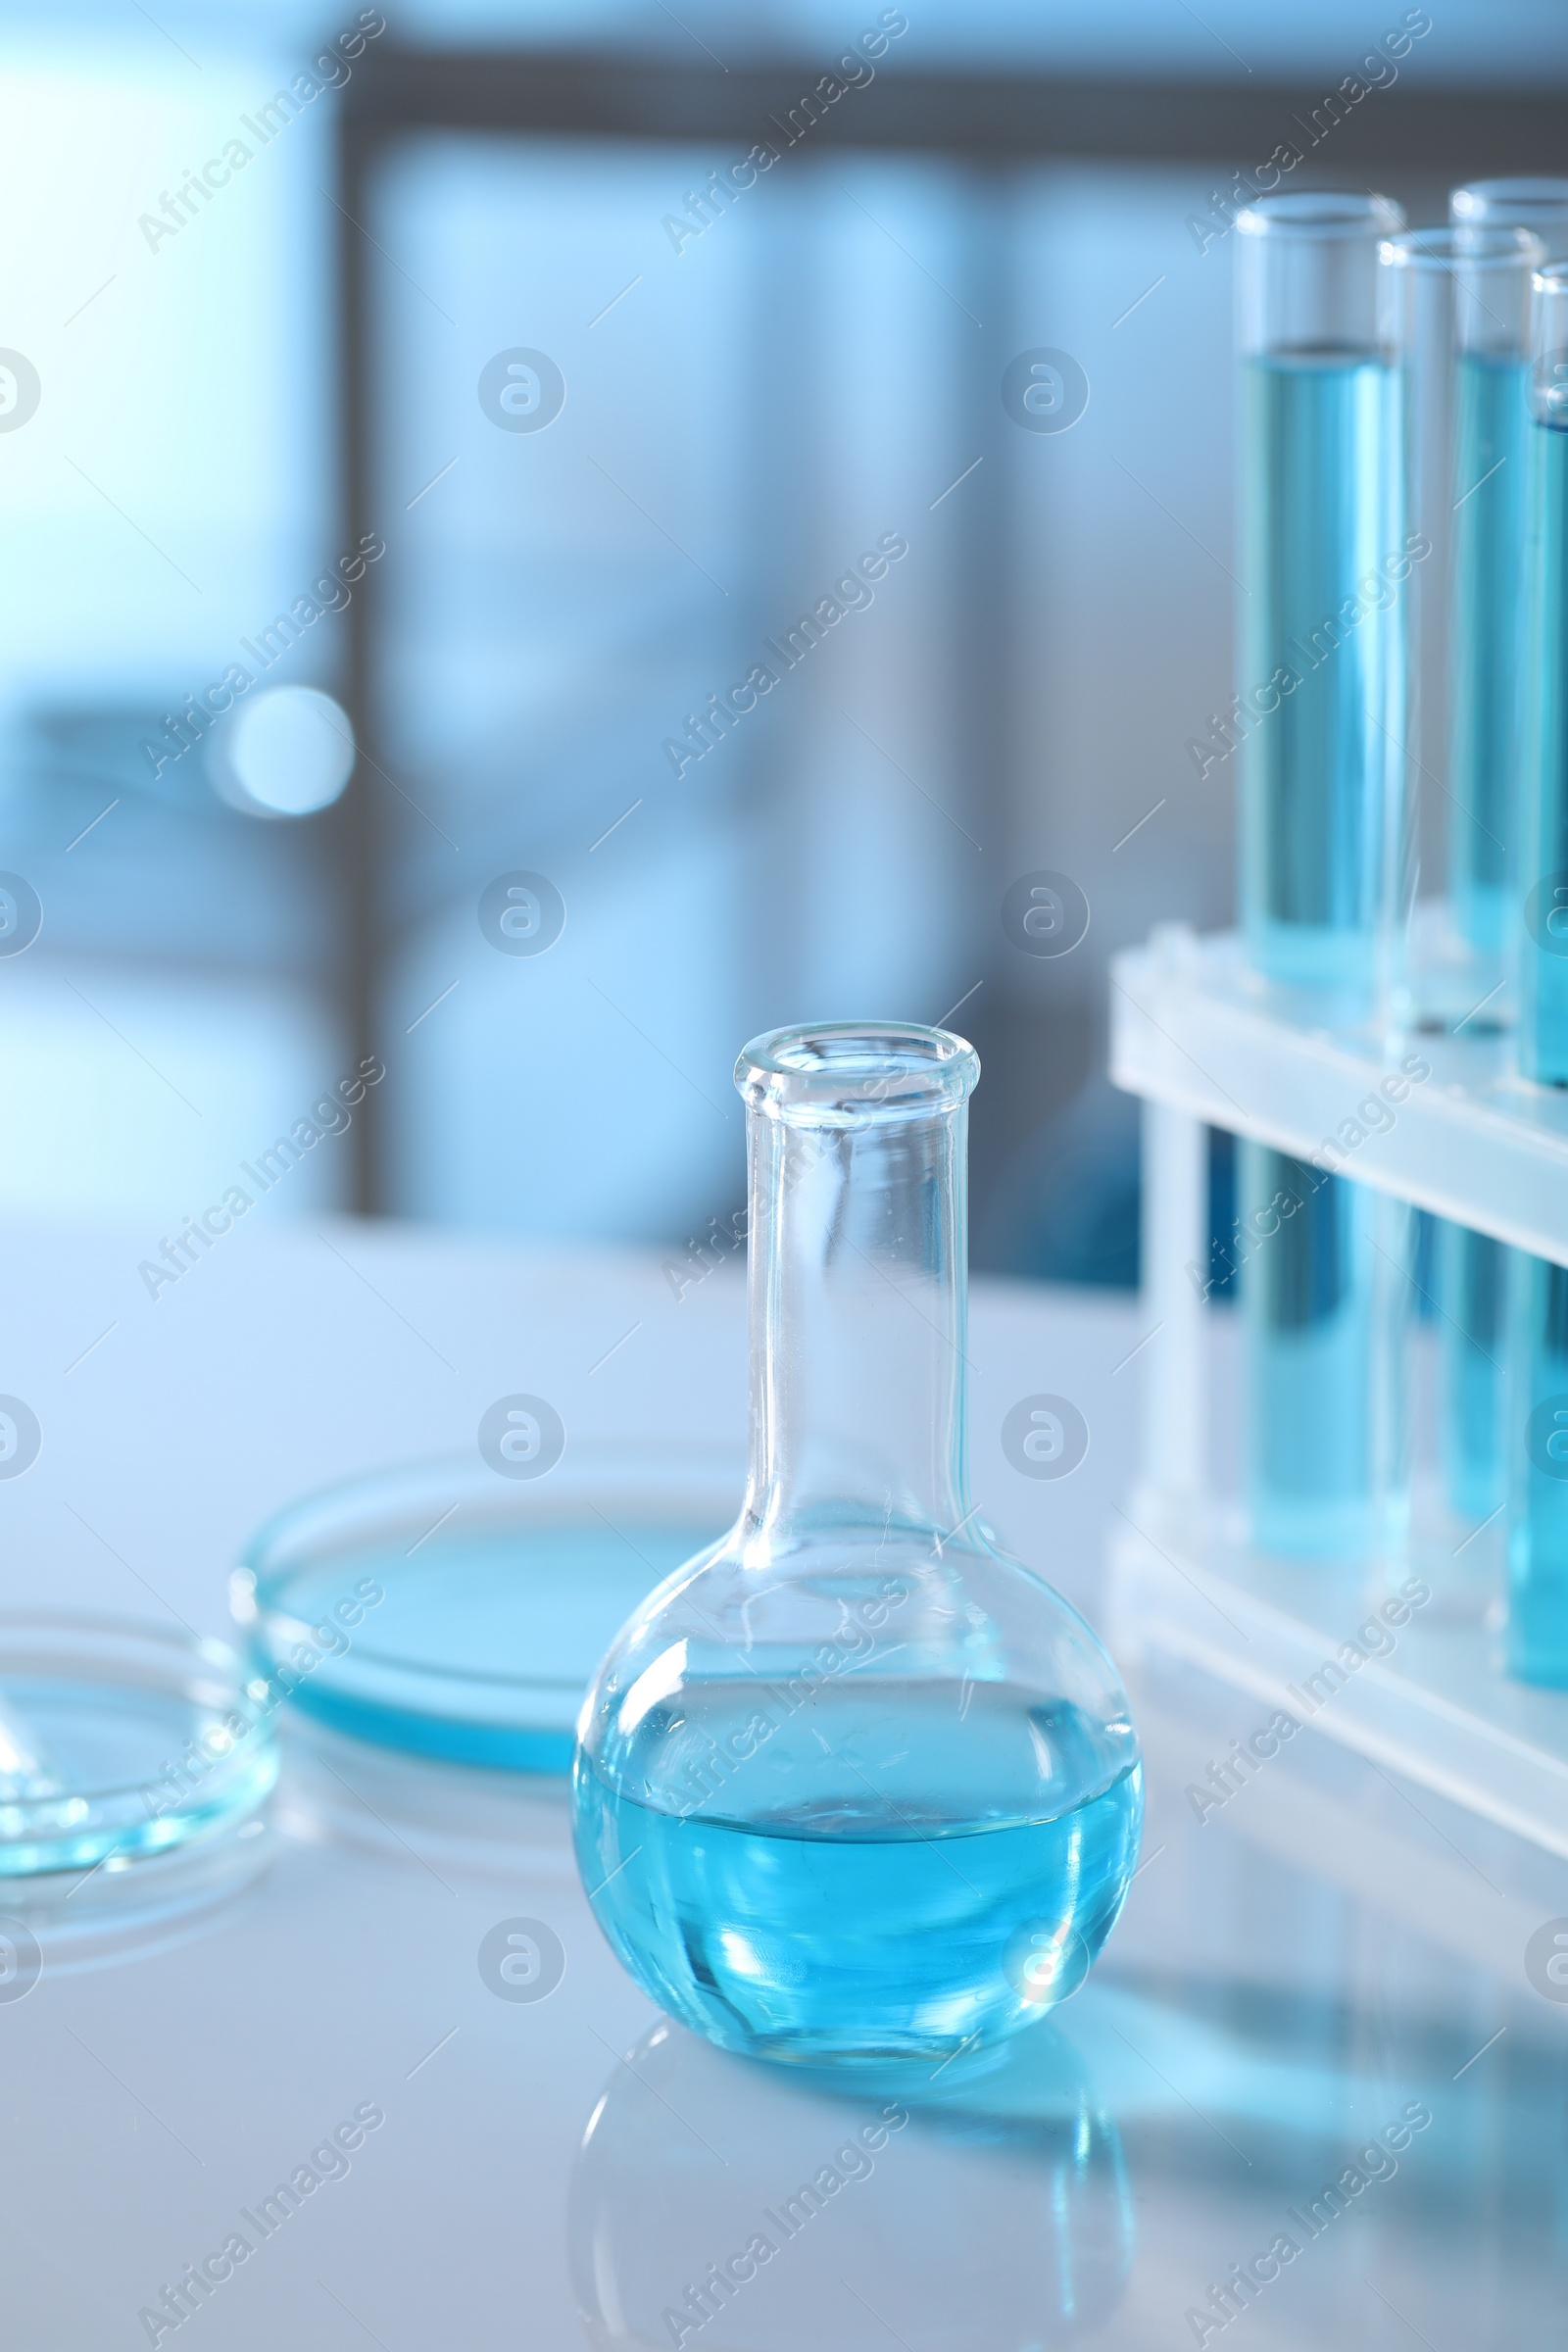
(1324, 560)
(714, 2202)
(853, 1782)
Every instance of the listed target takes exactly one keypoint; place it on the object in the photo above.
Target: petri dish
(120, 1740)
(447, 1609)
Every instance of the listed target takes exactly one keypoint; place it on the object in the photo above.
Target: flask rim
(853, 1073)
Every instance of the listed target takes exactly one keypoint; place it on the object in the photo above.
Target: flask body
(854, 1785)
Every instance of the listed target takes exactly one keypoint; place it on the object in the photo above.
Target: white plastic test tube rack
(1205, 1043)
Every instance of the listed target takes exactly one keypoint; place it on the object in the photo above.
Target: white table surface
(558, 2173)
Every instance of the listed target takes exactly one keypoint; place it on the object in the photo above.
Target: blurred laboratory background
(470, 367)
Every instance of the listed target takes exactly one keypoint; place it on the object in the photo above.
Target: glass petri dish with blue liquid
(447, 1610)
(120, 1740)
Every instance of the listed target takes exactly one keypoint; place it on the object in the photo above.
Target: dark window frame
(986, 119)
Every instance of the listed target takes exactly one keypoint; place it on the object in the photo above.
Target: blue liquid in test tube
(1321, 1287)
(1462, 299)
(1537, 1533)
(1493, 451)
(1497, 489)
(1472, 1284)
(1544, 951)
(1321, 687)
(1494, 493)
(1317, 431)
(1538, 1520)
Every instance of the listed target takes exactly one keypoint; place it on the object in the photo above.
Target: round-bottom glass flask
(853, 1784)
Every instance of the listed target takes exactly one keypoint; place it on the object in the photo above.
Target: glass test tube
(1322, 548)
(1459, 312)
(1538, 1529)
(1543, 878)
(1538, 204)
(1326, 1305)
(1472, 1287)
(1474, 1275)
(1537, 1516)
(1319, 650)
(1493, 454)
(1460, 319)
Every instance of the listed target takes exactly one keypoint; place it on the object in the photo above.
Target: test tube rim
(1457, 245)
(1307, 212)
(1527, 193)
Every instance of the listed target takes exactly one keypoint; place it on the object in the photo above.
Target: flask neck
(858, 1302)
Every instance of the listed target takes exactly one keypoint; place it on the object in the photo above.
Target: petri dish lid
(120, 1741)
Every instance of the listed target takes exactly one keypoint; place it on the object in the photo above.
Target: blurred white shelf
(1437, 1709)
(1193, 1029)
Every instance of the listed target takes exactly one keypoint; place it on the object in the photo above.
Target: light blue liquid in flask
(888, 1877)
(853, 1784)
